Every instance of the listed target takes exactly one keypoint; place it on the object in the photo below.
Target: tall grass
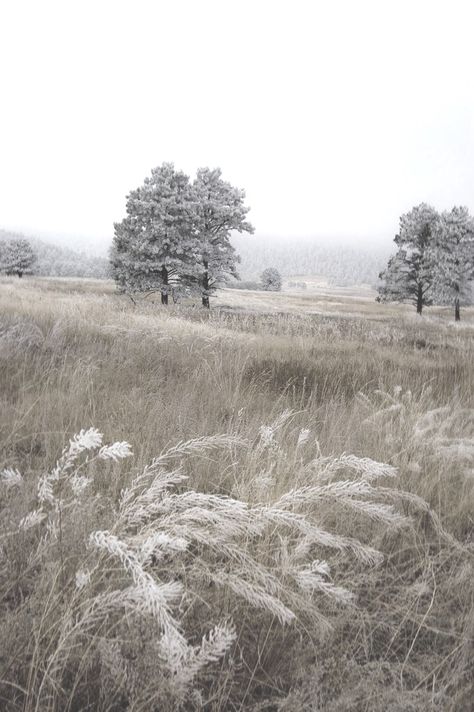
(277, 566)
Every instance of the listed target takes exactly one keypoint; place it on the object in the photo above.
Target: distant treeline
(56, 261)
(340, 265)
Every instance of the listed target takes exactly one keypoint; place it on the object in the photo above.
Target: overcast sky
(335, 116)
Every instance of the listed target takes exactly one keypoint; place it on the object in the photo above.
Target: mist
(334, 118)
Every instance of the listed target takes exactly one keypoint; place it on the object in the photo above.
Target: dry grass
(363, 378)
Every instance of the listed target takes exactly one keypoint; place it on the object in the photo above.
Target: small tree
(454, 258)
(271, 280)
(155, 243)
(220, 209)
(17, 257)
(409, 274)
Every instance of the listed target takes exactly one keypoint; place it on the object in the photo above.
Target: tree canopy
(220, 210)
(16, 256)
(434, 263)
(155, 242)
(271, 279)
(176, 231)
(409, 274)
(454, 259)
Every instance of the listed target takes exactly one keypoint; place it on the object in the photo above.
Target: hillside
(340, 264)
(57, 261)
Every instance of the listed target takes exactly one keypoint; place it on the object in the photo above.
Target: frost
(11, 478)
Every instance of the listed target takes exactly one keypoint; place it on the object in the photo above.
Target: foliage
(339, 264)
(271, 280)
(454, 258)
(54, 260)
(17, 256)
(155, 244)
(435, 259)
(220, 210)
(409, 274)
(176, 232)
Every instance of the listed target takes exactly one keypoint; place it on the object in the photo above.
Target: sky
(335, 116)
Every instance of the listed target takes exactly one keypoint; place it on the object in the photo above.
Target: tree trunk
(205, 286)
(457, 310)
(20, 274)
(419, 300)
(164, 288)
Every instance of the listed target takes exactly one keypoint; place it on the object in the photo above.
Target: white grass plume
(170, 552)
(10, 477)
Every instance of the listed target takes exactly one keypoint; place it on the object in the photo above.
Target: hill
(341, 265)
(57, 261)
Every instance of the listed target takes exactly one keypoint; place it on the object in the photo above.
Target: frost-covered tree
(155, 243)
(220, 210)
(17, 257)
(409, 274)
(454, 259)
(271, 280)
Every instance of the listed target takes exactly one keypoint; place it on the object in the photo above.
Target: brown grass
(74, 354)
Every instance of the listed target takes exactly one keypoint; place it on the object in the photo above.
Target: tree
(155, 243)
(220, 209)
(409, 274)
(175, 232)
(17, 257)
(271, 280)
(454, 258)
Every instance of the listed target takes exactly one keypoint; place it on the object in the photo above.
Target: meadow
(294, 528)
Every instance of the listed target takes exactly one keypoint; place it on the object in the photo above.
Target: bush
(271, 280)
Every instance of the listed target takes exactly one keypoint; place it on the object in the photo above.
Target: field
(292, 415)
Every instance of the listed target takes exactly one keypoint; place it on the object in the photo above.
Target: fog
(334, 117)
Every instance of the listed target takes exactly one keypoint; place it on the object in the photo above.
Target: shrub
(271, 280)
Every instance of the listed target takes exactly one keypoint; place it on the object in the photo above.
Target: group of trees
(434, 263)
(337, 263)
(60, 261)
(176, 233)
(50, 260)
(16, 256)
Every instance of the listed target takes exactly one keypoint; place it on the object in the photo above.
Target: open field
(295, 380)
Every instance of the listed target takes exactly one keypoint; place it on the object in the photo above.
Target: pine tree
(155, 244)
(454, 259)
(17, 257)
(220, 209)
(271, 279)
(409, 274)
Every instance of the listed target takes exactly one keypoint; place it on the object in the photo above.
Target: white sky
(334, 116)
